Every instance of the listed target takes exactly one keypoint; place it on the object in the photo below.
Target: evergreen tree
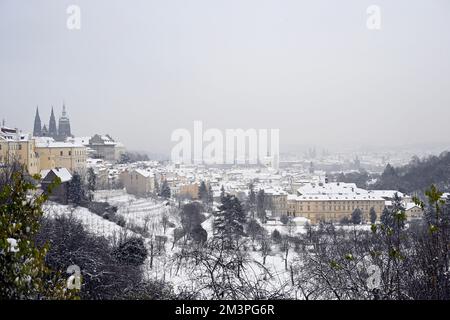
(372, 215)
(261, 206)
(254, 229)
(357, 216)
(394, 218)
(385, 218)
(203, 192)
(23, 271)
(92, 182)
(131, 252)
(191, 216)
(210, 195)
(392, 226)
(276, 236)
(229, 221)
(165, 190)
(251, 200)
(222, 193)
(76, 193)
(436, 245)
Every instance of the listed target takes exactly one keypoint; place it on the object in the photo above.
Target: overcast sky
(140, 69)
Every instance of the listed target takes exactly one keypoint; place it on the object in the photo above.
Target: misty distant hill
(418, 175)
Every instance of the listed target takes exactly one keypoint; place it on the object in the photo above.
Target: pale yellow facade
(331, 209)
(22, 151)
(62, 155)
(37, 153)
(189, 190)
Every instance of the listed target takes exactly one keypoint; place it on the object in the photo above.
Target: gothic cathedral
(59, 133)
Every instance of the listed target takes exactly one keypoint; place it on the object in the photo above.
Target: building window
(60, 153)
(70, 153)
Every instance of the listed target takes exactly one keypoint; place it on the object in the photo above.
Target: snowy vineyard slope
(162, 264)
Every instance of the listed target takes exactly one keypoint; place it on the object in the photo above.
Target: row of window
(69, 153)
(19, 157)
(13, 146)
(331, 208)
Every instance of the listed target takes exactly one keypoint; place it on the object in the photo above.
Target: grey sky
(140, 69)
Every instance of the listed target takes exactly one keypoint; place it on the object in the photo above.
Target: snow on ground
(359, 227)
(114, 197)
(92, 222)
(270, 226)
(137, 212)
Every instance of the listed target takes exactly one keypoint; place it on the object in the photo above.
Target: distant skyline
(140, 69)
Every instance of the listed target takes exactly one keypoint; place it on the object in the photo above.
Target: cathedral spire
(37, 131)
(64, 125)
(52, 130)
(64, 114)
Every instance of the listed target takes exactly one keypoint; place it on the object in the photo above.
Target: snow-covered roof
(144, 173)
(324, 197)
(10, 134)
(62, 173)
(106, 139)
(55, 144)
(411, 205)
(79, 140)
(386, 193)
(332, 188)
(275, 191)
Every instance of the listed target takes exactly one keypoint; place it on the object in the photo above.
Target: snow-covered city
(224, 158)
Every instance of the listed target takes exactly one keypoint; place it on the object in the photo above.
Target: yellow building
(67, 155)
(139, 182)
(188, 190)
(16, 146)
(332, 207)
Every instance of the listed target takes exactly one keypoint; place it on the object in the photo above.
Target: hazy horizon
(140, 69)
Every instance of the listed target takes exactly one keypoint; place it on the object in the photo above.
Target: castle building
(106, 148)
(332, 208)
(333, 202)
(17, 146)
(59, 133)
(54, 154)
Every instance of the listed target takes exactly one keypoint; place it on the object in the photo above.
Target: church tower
(52, 130)
(44, 131)
(37, 131)
(64, 125)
